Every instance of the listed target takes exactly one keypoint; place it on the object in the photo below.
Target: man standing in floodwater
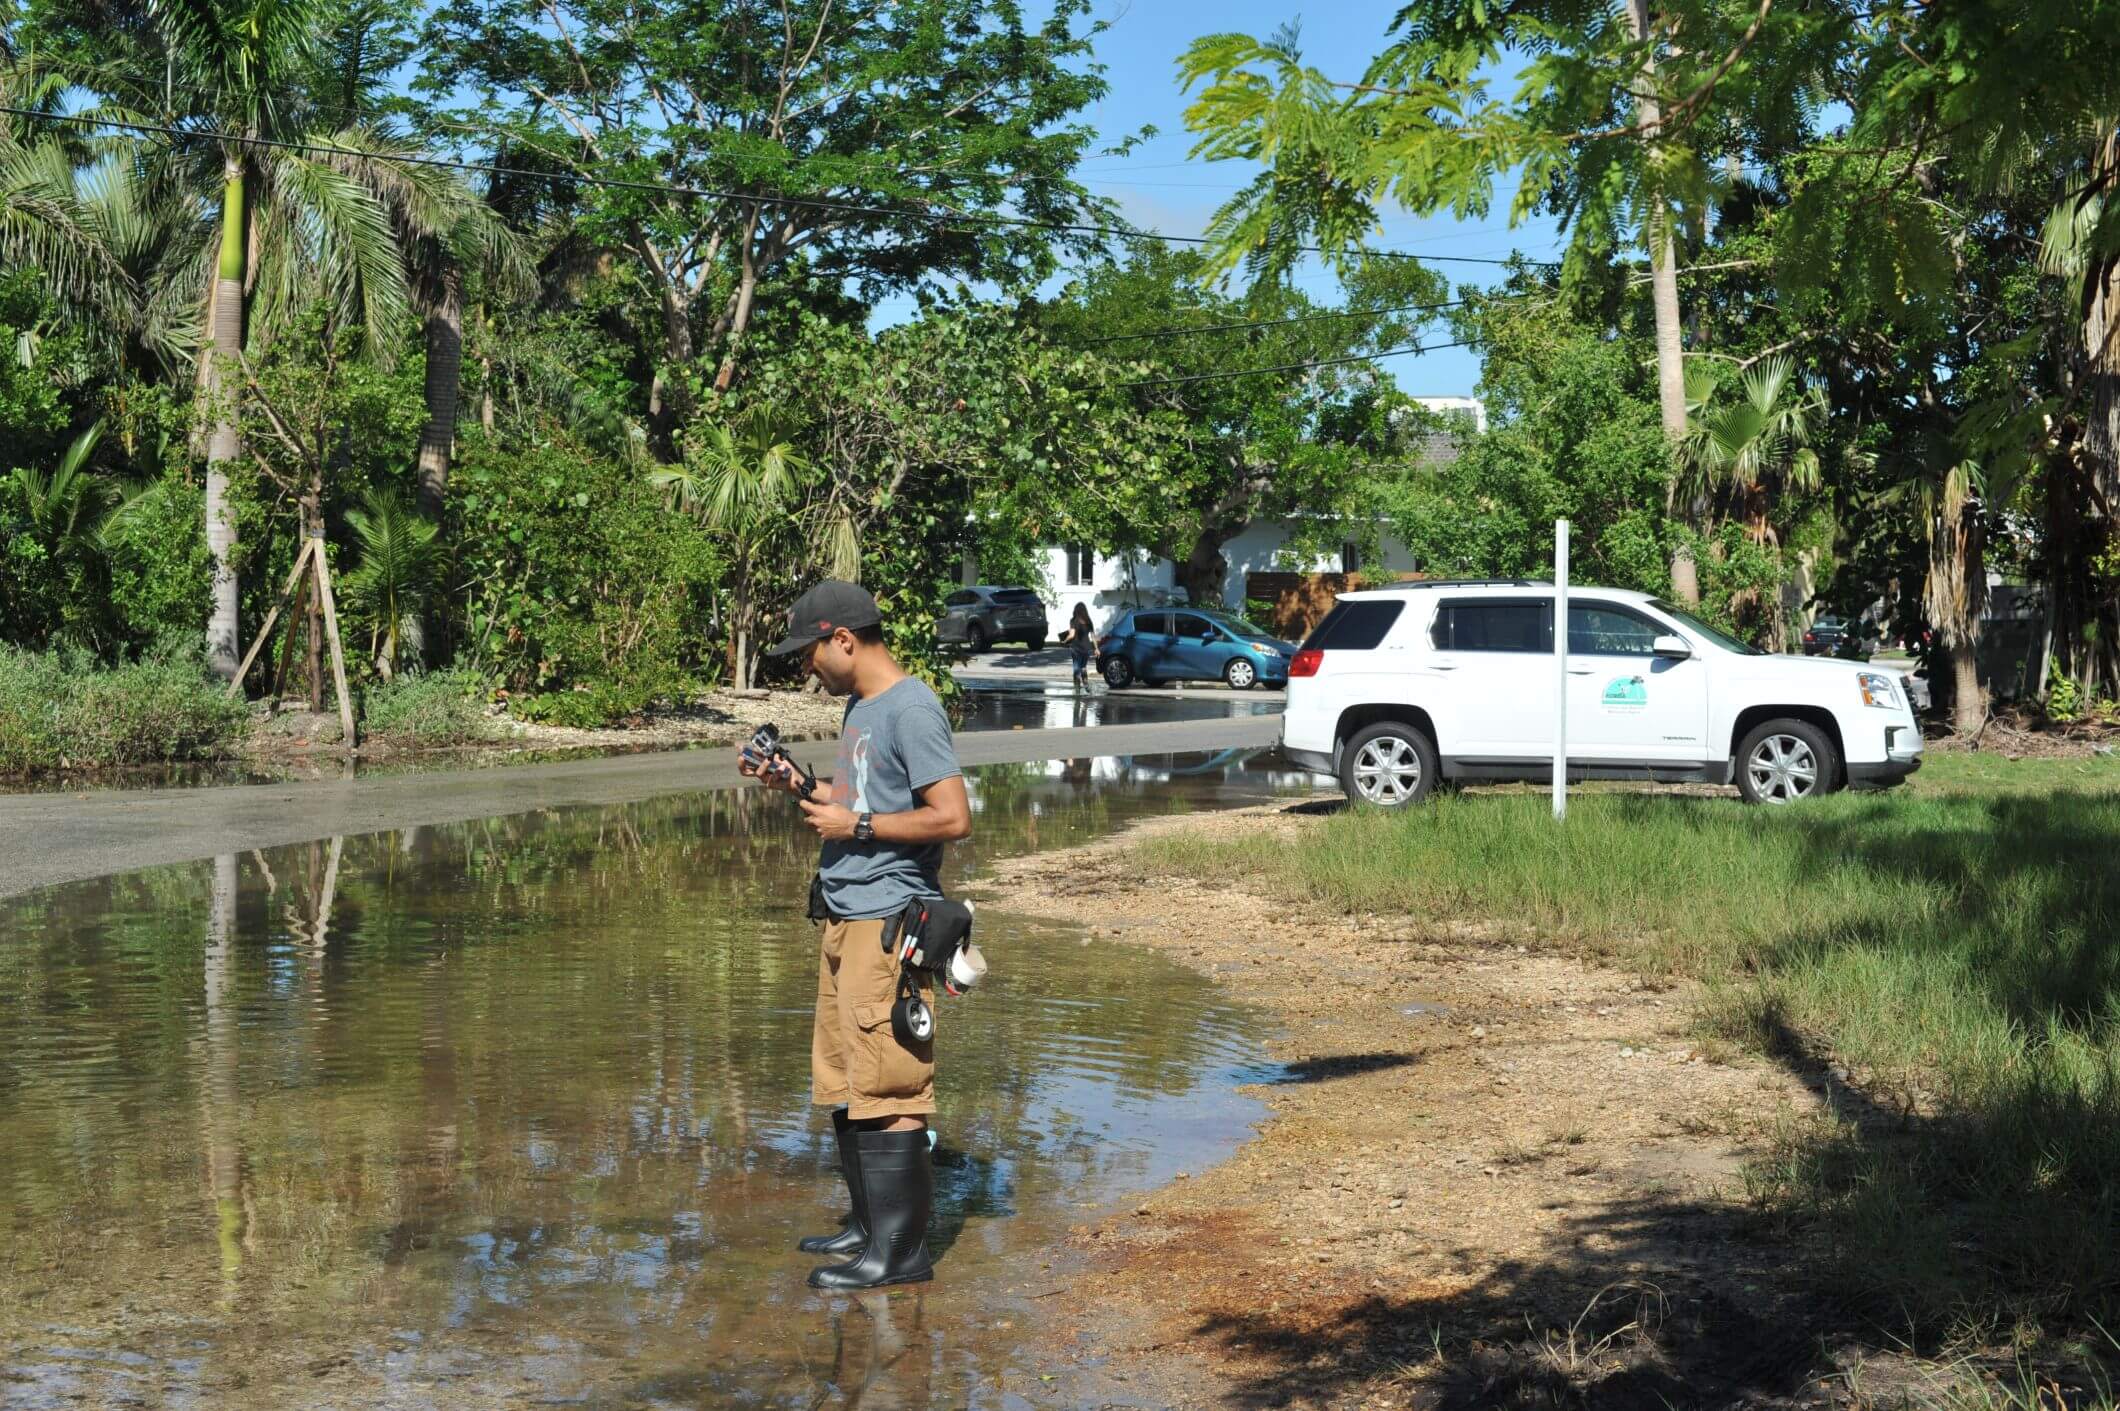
(896, 797)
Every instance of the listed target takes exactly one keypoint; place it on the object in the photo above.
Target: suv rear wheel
(1783, 761)
(1391, 765)
(1118, 673)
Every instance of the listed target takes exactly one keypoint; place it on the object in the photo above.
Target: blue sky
(1159, 189)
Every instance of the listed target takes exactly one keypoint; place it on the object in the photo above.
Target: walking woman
(1081, 639)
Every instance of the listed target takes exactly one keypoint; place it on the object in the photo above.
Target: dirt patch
(1495, 1175)
(2020, 735)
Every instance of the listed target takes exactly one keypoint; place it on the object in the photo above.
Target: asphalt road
(57, 837)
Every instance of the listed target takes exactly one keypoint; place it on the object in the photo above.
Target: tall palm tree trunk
(2094, 656)
(225, 443)
(445, 362)
(1663, 290)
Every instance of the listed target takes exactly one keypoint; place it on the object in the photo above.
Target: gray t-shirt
(890, 747)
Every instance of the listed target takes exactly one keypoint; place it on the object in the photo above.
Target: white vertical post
(1560, 668)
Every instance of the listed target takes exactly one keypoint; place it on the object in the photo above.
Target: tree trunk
(739, 320)
(1661, 235)
(666, 393)
(1955, 595)
(1203, 570)
(445, 354)
(1968, 698)
(225, 443)
(2093, 651)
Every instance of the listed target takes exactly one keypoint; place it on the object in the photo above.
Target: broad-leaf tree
(1617, 123)
(1260, 399)
(840, 138)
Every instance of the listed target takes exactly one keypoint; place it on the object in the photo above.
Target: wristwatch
(865, 828)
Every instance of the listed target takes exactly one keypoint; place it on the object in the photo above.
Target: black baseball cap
(823, 610)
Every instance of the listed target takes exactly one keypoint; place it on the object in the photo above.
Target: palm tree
(47, 221)
(1755, 446)
(62, 511)
(1954, 597)
(335, 215)
(743, 479)
(400, 563)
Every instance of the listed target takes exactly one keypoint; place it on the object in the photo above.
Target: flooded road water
(515, 1112)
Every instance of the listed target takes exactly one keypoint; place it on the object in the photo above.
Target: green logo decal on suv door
(1626, 693)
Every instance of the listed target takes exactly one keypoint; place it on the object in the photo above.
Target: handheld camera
(766, 750)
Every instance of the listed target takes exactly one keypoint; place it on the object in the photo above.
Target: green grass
(1956, 941)
(437, 708)
(63, 712)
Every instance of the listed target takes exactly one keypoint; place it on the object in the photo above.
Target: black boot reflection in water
(886, 1355)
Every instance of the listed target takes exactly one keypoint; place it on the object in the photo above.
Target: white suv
(1455, 680)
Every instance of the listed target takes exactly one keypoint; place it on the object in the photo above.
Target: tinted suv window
(958, 600)
(1188, 624)
(1016, 595)
(1511, 626)
(1153, 622)
(1357, 626)
(1610, 631)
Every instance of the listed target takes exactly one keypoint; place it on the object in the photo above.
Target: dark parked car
(979, 617)
(1158, 645)
(1833, 636)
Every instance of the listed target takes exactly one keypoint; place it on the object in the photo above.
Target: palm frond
(337, 233)
(44, 224)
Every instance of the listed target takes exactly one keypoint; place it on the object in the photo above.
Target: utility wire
(665, 188)
(1296, 367)
(1283, 322)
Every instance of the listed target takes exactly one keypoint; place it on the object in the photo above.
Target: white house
(1076, 573)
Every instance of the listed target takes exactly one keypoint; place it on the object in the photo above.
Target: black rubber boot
(898, 1192)
(853, 1233)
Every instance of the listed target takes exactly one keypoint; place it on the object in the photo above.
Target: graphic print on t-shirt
(850, 789)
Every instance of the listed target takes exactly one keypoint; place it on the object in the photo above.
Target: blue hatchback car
(1159, 645)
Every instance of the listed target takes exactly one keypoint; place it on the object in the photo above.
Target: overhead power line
(1283, 322)
(851, 208)
(1298, 367)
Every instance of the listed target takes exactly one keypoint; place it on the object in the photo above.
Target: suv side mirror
(1670, 644)
(1210, 634)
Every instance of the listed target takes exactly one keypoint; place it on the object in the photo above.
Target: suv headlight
(1265, 649)
(1877, 690)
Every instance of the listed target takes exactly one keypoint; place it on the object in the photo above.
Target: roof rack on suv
(1412, 583)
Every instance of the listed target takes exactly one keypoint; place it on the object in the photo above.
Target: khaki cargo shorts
(855, 1059)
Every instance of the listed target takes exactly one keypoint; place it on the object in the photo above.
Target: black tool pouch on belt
(938, 927)
(818, 910)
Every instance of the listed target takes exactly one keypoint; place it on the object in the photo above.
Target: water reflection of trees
(481, 1064)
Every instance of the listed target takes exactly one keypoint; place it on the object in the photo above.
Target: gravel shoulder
(1495, 1174)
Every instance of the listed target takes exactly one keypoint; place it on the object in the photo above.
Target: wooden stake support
(313, 559)
(294, 576)
(331, 635)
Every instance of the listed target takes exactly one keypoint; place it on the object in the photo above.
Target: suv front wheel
(1783, 761)
(1391, 765)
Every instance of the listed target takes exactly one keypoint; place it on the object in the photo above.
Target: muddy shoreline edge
(1494, 1172)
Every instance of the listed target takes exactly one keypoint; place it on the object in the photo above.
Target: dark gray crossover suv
(979, 617)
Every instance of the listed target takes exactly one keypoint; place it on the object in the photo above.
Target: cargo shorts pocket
(881, 1067)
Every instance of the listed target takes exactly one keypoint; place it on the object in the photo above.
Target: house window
(1081, 565)
(1350, 557)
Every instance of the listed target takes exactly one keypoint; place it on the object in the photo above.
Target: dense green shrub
(438, 708)
(575, 573)
(160, 573)
(586, 708)
(62, 711)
